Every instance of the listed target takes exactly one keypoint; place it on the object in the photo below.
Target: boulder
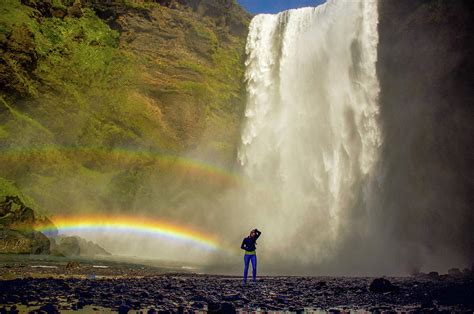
(72, 265)
(49, 308)
(227, 307)
(454, 272)
(382, 285)
(75, 10)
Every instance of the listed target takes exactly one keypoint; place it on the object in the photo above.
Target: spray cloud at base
(353, 155)
(349, 166)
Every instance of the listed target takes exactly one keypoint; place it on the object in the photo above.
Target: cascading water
(311, 136)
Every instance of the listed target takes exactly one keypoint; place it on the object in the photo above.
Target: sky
(275, 6)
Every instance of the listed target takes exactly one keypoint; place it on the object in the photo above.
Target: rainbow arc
(129, 225)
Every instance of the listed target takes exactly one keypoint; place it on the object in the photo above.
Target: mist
(354, 155)
(345, 178)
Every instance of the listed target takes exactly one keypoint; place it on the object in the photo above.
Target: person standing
(248, 244)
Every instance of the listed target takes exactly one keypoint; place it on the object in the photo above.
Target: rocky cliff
(425, 67)
(75, 246)
(94, 95)
(17, 228)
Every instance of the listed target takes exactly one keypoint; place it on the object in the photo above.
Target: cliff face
(17, 229)
(191, 64)
(93, 94)
(425, 67)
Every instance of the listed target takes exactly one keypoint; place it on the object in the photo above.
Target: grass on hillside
(85, 92)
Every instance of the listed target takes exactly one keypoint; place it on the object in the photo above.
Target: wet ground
(52, 287)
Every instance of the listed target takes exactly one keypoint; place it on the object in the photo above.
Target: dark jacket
(249, 243)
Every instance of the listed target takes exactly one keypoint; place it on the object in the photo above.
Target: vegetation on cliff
(97, 100)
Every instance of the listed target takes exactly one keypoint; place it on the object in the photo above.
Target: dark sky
(275, 6)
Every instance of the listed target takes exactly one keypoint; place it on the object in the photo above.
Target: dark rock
(72, 265)
(382, 285)
(123, 309)
(227, 307)
(454, 272)
(133, 303)
(199, 298)
(197, 305)
(427, 304)
(49, 308)
(43, 7)
(81, 303)
(213, 307)
(58, 13)
(14, 310)
(231, 297)
(321, 284)
(75, 10)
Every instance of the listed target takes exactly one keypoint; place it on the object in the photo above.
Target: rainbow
(127, 224)
(119, 157)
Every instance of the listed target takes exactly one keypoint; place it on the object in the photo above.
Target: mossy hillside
(8, 188)
(167, 81)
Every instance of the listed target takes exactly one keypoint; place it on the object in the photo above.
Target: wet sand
(93, 287)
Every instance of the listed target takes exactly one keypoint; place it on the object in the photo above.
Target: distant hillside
(97, 100)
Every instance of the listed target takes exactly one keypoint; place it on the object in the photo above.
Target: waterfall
(311, 136)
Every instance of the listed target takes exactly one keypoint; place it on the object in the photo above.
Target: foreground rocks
(225, 294)
(382, 285)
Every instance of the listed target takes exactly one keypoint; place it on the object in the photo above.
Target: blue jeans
(247, 259)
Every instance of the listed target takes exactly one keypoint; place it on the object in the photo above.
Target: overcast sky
(275, 6)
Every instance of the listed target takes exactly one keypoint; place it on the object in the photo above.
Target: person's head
(253, 233)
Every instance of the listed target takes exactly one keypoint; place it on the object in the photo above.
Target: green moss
(205, 34)
(13, 13)
(23, 126)
(8, 188)
(75, 50)
(144, 5)
(89, 88)
(58, 4)
(3, 133)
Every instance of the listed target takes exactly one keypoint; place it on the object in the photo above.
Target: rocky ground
(120, 287)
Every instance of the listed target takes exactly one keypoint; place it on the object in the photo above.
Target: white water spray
(311, 137)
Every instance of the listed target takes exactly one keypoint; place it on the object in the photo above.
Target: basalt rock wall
(425, 67)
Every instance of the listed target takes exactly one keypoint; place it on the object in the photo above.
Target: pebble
(219, 294)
